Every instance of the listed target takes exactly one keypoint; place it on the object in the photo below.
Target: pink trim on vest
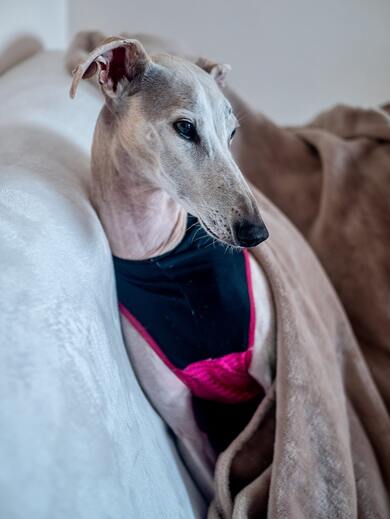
(148, 338)
(252, 309)
(225, 379)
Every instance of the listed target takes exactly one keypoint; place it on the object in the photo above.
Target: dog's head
(173, 120)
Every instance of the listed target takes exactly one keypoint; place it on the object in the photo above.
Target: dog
(180, 219)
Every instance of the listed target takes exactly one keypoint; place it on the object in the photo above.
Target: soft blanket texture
(78, 438)
(319, 445)
(332, 179)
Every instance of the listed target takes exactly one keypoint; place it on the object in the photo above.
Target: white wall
(27, 25)
(290, 58)
(46, 19)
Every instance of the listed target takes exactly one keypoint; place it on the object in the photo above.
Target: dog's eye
(186, 130)
(232, 134)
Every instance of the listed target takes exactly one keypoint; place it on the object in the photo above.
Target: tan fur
(144, 176)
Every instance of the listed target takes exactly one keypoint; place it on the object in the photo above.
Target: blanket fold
(331, 178)
(319, 444)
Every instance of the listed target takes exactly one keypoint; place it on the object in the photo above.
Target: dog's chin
(227, 240)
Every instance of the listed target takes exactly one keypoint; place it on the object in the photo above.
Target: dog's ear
(219, 71)
(119, 65)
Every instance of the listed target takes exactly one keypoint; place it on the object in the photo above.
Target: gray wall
(290, 58)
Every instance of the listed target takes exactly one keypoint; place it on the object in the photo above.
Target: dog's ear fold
(119, 65)
(219, 71)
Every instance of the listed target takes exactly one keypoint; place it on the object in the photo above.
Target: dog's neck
(140, 220)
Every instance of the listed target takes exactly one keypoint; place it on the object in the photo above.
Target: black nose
(248, 234)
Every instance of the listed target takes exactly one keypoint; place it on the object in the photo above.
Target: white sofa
(78, 439)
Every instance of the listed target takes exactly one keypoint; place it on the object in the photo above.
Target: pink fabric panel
(225, 379)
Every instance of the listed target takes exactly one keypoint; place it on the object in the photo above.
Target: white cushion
(78, 439)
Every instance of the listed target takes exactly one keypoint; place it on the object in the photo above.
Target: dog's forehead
(174, 84)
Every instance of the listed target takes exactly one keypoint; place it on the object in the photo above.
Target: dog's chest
(195, 308)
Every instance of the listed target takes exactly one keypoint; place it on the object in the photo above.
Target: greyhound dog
(172, 200)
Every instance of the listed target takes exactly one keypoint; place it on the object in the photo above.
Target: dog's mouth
(215, 235)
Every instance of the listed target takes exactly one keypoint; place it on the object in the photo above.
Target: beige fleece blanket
(319, 444)
(332, 179)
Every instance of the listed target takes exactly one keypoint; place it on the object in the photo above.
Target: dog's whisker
(196, 232)
(193, 225)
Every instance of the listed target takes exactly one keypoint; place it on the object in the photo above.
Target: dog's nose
(248, 234)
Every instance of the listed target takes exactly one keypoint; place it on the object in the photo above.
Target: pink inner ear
(103, 73)
(120, 62)
(116, 65)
